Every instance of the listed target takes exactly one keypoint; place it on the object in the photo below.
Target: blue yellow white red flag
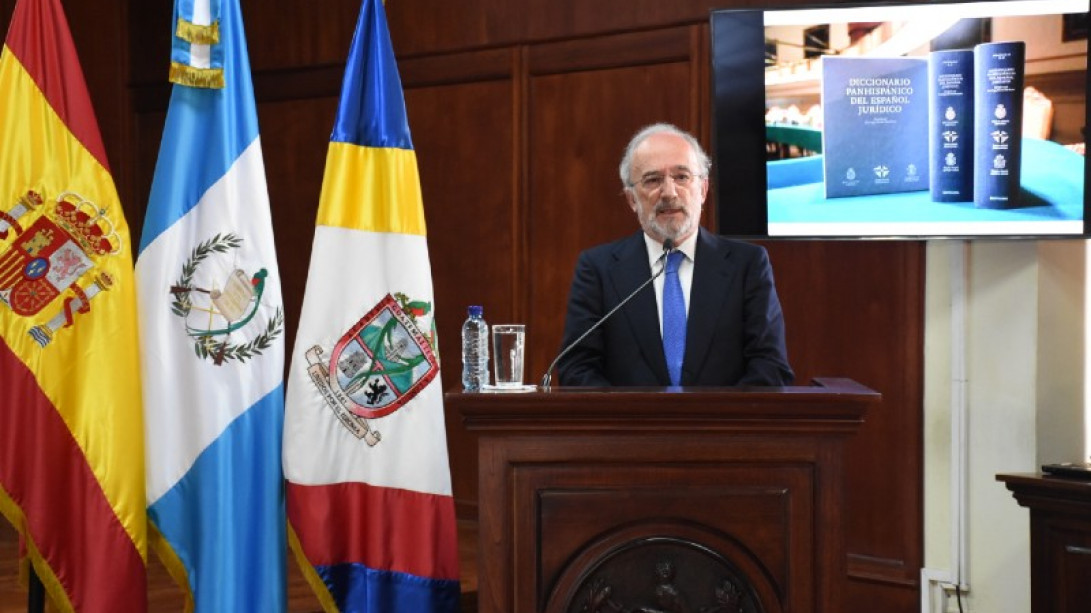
(365, 450)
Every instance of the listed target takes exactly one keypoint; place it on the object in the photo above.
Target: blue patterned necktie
(674, 318)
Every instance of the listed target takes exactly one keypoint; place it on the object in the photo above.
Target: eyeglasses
(681, 178)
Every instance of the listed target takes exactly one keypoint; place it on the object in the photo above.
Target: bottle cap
(474, 311)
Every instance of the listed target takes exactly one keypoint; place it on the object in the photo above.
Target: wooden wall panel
(579, 124)
(614, 51)
(426, 26)
(295, 135)
(147, 134)
(857, 307)
(432, 26)
(293, 34)
(586, 98)
(149, 38)
(97, 30)
(298, 33)
(6, 9)
(469, 201)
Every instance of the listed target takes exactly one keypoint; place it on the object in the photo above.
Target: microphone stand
(547, 378)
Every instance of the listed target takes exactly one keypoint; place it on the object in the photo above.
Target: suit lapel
(642, 314)
(711, 277)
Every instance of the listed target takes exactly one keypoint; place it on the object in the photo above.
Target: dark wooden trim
(613, 51)
(457, 68)
(883, 570)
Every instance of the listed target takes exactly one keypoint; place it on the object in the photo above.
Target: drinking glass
(508, 343)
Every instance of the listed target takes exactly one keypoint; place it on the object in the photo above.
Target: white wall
(1023, 333)
(1062, 352)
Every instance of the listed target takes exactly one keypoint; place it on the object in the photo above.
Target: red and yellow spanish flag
(71, 425)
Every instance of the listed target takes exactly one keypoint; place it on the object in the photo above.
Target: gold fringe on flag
(207, 78)
(198, 35)
(325, 598)
(172, 563)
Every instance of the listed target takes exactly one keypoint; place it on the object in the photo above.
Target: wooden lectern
(1060, 539)
(702, 500)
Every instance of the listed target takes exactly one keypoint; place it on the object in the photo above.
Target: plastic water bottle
(475, 351)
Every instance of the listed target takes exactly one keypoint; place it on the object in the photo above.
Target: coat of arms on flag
(49, 256)
(216, 308)
(378, 365)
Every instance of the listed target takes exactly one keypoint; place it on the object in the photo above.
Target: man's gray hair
(626, 166)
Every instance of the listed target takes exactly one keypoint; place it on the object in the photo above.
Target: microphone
(668, 246)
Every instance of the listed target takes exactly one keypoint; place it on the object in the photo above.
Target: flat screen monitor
(938, 120)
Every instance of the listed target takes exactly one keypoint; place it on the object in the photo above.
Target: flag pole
(35, 593)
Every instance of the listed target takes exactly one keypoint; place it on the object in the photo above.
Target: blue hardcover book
(875, 125)
(998, 123)
(951, 125)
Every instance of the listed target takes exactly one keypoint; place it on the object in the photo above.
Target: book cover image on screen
(951, 125)
(998, 124)
(875, 118)
(938, 120)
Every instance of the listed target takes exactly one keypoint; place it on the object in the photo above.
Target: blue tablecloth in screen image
(1052, 183)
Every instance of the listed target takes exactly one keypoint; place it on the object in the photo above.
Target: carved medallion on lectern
(662, 575)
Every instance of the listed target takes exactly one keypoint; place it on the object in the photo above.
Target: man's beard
(672, 229)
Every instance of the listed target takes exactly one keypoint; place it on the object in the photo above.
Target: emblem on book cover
(999, 162)
(950, 136)
(882, 171)
(950, 159)
(218, 301)
(382, 362)
(1000, 137)
(1000, 112)
(950, 113)
(53, 258)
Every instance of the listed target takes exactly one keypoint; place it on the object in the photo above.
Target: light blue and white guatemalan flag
(212, 329)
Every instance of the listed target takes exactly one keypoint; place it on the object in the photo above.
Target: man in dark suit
(712, 319)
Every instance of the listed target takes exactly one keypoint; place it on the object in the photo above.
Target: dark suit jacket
(734, 331)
